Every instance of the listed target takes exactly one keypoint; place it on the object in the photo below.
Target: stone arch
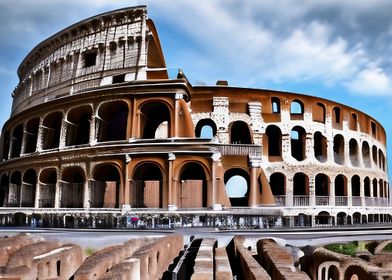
(72, 187)
(154, 115)
(366, 186)
(338, 149)
(28, 188)
(6, 145)
(340, 190)
(240, 133)
(4, 190)
(354, 153)
(381, 187)
(112, 120)
(341, 219)
(353, 121)
(14, 189)
(323, 218)
(193, 186)
(381, 159)
(51, 130)
(301, 189)
(322, 189)
(375, 192)
(320, 147)
(78, 125)
(275, 105)
(278, 183)
(298, 143)
(205, 128)
(147, 186)
(357, 270)
(274, 141)
(336, 118)
(374, 153)
(366, 154)
(357, 218)
(356, 190)
(47, 180)
(333, 273)
(297, 107)
(17, 136)
(319, 112)
(31, 135)
(239, 179)
(105, 186)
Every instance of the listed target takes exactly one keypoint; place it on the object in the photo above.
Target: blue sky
(339, 50)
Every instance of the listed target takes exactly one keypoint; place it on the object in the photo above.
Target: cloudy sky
(339, 50)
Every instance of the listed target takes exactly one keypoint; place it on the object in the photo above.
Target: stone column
(332, 193)
(362, 193)
(40, 135)
(255, 163)
(174, 131)
(86, 195)
(312, 191)
(349, 193)
(215, 161)
(93, 136)
(37, 195)
(128, 183)
(172, 186)
(289, 192)
(63, 133)
(23, 143)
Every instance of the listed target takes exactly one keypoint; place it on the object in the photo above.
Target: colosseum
(103, 134)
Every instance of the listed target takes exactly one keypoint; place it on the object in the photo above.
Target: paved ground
(295, 237)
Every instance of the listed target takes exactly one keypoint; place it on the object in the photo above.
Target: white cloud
(371, 81)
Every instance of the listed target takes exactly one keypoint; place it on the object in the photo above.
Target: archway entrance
(105, 187)
(146, 188)
(237, 186)
(193, 188)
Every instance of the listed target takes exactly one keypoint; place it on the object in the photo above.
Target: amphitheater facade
(102, 132)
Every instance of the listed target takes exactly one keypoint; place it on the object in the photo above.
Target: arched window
(300, 190)
(353, 121)
(6, 145)
(366, 154)
(111, 122)
(375, 192)
(322, 185)
(356, 190)
(237, 186)
(274, 136)
(193, 189)
(31, 135)
(4, 190)
(28, 188)
(240, 133)
(367, 186)
(297, 107)
(275, 103)
(298, 143)
(320, 147)
(71, 187)
(338, 149)
(153, 115)
(319, 113)
(374, 152)
(278, 187)
(78, 126)
(340, 190)
(147, 186)
(48, 180)
(51, 130)
(105, 187)
(354, 155)
(17, 137)
(206, 128)
(336, 118)
(14, 189)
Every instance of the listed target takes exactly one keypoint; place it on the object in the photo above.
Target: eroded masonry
(100, 132)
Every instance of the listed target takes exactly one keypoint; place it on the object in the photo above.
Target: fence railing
(301, 200)
(322, 200)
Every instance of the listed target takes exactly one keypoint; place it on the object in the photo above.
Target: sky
(338, 50)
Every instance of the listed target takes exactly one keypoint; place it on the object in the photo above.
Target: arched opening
(319, 113)
(353, 150)
(4, 189)
(338, 149)
(14, 189)
(71, 187)
(206, 128)
(320, 147)
(366, 154)
(240, 133)
(323, 218)
(356, 218)
(48, 181)
(31, 135)
(381, 160)
(51, 128)
(153, 114)
(111, 122)
(193, 188)
(341, 219)
(381, 186)
(275, 103)
(333, 273)
(322, 189)
(274, 138)
(78, 126)
(237, 186)
(17, 137)
(278, 187)
(6, 145)
(356, 190)
(366, 182)
(374, 152)
(298, 143)
(28, 188)
(375, 192)
(296, 109)
(147, 186)
(340, 190)
(353, 121)
(336, 121)
(105, 187)
(301, 189)
(356, 272)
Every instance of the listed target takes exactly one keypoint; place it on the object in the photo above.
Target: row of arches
(341, 189)
(320, 148)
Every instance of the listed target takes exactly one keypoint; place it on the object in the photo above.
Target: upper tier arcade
(105, 49)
